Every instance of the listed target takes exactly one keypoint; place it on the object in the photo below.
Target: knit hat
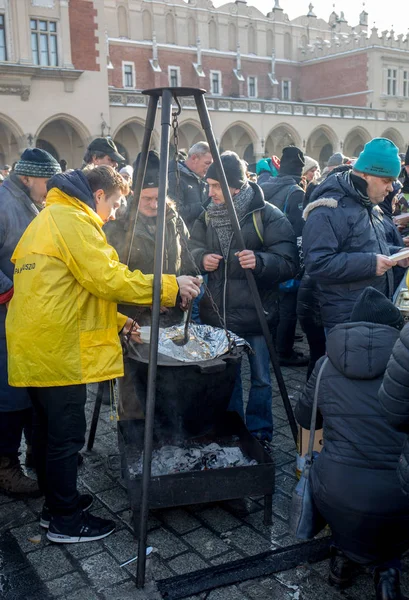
(265, 164)
(292, 161)
(35, 162)
(151, 179)
(380, 157)
(372, 306)
(310, 163)
(336, 160)
(407, 157)
(234, 169)
(127, 170)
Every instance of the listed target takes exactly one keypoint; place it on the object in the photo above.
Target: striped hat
(37, 163)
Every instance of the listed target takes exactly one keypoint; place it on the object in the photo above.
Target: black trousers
(58, 435)
(12, 425)
(316, 341)
(287, 323)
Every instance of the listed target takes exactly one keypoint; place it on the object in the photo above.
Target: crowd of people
(322, 250)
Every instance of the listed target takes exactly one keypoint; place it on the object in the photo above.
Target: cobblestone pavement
(184, 539)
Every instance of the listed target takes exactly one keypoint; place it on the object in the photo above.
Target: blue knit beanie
(265, 164)
(380, 157)
(35, 162)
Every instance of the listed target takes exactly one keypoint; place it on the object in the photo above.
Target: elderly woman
(354, 479)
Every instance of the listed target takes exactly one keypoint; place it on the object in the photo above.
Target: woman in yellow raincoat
(62, 331)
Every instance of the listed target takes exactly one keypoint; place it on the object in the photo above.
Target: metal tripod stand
(167, 95)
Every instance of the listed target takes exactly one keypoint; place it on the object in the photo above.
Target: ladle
(182, 340)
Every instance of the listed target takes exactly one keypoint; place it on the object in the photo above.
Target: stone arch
(190, 133)
(191, 32)
(252, 41)
(12, 140)
(395, 136)
(170, 29)
(288, 46)
(123, 22)
(281, 136)
(129, 135)
(355, 141)
(321, 144)
(147, 25)
(232, 37)
(269, 42)
(213, 34)
(241, 138)
(48, 147)
(67, 135)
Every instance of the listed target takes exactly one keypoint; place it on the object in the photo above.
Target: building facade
(71, 70)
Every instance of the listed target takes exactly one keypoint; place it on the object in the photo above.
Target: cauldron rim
(167, 361)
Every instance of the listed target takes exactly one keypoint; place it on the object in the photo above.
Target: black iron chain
(179, 226)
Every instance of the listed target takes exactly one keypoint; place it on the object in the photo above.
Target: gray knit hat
(35, 162)
(336, 160)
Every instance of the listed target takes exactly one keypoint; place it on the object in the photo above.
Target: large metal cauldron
(191, 398)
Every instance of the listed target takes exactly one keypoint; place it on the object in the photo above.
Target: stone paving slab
(184, 539)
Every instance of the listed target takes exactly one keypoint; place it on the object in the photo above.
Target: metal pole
(149, 125)
(207, 127)
(153, 349)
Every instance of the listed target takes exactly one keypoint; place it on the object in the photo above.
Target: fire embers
(173, 459)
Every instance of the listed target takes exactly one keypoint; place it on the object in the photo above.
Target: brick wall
(145, 76)
(342, 75)
(84, 38)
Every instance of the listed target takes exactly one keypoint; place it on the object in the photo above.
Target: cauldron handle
(216, 366)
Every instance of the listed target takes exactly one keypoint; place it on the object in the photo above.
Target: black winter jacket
(277, 261)
(394, 399)
(175, 260)
(340, 241)
(355, 473)
(284, 192)
(190, 196)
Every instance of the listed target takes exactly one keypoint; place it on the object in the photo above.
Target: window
(252, 87)
(216, 83)
(392, 82)
(286, 89)
(128, 75)
(3, 49)
(405, 84)
(174, 76)
(44, 42)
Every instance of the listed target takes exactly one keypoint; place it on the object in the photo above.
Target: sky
(385, 14)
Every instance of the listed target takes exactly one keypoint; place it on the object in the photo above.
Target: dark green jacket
(175, 260)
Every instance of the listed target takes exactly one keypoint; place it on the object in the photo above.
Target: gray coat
(16, 212)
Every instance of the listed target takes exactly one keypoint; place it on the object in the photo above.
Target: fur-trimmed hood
(330, 202)
(329, 192)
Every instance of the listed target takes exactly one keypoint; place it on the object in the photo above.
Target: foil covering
(205, 342)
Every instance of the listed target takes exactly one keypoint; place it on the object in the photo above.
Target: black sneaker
(85, 503)
(82, 527)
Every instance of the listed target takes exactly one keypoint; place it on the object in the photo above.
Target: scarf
(360, 186)
(220, 220)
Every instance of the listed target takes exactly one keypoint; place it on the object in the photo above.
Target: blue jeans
(259, 415)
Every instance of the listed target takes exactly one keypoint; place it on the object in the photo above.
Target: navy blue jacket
(16, 212)
(354, 479)
(394, 399)
(190, 196)
(341, 239)
(284, 192)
